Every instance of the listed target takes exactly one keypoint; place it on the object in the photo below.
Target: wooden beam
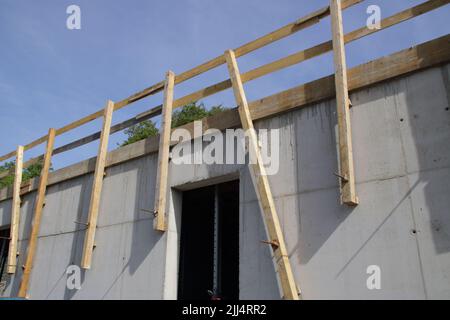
(39, 205)
(426, 55)
(15, 213)
(347, 174)
(97, 187)
(312, 52)
(397, 18)
(159, 223)
(258, 172)
(265, 40)
(261, 71)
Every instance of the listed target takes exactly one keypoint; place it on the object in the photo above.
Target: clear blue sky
(51, 76)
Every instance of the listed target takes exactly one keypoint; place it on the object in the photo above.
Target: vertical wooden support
(96, 191)
(261, 182)
(15, 213)
(347, 175)
(39, 205)
(159, 223)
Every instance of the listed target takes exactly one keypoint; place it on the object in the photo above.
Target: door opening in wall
(209, 243)
(4, 246)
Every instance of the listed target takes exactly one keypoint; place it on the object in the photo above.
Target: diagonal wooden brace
(94, 204)
(258, 172)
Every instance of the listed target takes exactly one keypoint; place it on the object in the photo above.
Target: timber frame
(347, 174)
(99, 174)
(163, 155)
(261, 183)
(339, 85)
(38, 207)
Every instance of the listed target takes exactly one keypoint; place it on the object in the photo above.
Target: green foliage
(32, 171)
(192, 112)
(8, 180)
(140, 131)
(188, 113)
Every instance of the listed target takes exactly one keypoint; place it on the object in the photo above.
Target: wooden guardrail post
(39, 205)
(346, 174)
(15, 213)
(261, 182)
(159, 223)
(97, 187)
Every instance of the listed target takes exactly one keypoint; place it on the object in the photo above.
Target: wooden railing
(274, 66)
(346, 162)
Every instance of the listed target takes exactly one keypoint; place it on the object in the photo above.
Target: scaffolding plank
(15, 213)
(261, 183)
(347, 175)
(159, 223)
(39, 205)
(97, 187)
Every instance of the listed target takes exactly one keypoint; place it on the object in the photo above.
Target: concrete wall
(401, 134)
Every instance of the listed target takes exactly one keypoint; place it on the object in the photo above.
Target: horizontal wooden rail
(271, 67)
(312, 52)
(423, 56)
(24, 166)
(38, 207)
(265, 40)
(97, 184)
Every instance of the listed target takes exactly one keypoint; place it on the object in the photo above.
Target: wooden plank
(7, 156)
(79, 122)
(347, 180)
(312, 52)
(94, 203)
(159, 223)
(268, 68)
(261, 183)
(414, 59)
(398, 18)
(289, 29)
(24, 165)
(39, 205)
(115, 128)
(15, 213)
(140, 95)
(5, 173)
(265, 40)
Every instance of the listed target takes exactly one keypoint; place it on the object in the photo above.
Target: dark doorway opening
(4, 248)
(209, 243)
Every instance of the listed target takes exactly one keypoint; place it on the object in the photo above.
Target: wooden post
(97, 187)
(40, 198)
(159, 223)
(15, 213)
(347, 174)
(261, 182)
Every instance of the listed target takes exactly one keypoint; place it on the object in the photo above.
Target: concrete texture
(401, 134)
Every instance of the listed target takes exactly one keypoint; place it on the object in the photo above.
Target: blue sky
(51, 76)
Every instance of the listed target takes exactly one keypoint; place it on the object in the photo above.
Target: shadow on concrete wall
(26, 217)
(428, 122)
(317, 199)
